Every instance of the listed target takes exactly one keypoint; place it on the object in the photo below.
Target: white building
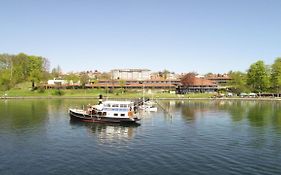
(131, 74)
(57, 82)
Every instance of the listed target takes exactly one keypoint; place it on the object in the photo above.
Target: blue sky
(178, 35)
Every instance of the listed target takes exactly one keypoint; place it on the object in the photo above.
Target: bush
(58, 92)
(41, 90)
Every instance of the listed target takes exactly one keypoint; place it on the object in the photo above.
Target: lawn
(24, 90)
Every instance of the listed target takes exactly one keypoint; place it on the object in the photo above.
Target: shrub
(58, 92)
(41, 90)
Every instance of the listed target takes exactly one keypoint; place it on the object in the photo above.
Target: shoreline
(167, 98)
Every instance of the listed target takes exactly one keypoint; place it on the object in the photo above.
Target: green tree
(238, 82)
(36, 69)
(19, 68)
(164, 74)
(104, 76)
(84, 79)
(122, 84)
(258, 77)
(5, 81)
(71, 77)
(276, 75)
(56, 72)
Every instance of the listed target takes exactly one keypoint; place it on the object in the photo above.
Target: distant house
(220, 79)
(57, 82)
(130, 74)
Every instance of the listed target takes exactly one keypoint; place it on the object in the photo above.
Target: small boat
(148, 106)
(106, 112)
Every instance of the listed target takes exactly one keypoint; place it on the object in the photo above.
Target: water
(201, 137)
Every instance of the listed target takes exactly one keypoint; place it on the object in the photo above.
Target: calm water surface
(201, 137)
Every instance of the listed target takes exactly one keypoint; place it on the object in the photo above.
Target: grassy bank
(24, 90)
(95, 93)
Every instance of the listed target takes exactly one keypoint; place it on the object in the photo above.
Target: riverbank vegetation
(22, 75)
(23, 90)
(258, 78)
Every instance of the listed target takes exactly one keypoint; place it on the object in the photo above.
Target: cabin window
(122, 115)
(115, 114)
(115, 105)
(123, 106)
(107, 105)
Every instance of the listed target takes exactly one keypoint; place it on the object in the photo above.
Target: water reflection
(16, 115)
(107, 132)
(257, 113)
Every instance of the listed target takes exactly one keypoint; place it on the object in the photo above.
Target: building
(57, 82)
(136, 84)
(163, 76)
(198, 85)
(130, 74)
(220, 79)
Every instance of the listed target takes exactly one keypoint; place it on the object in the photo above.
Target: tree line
(19, 68)
(15, 69)
(258, 78)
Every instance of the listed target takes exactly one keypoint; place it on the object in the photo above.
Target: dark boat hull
(99, 119)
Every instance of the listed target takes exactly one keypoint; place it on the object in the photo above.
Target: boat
(148, 106)
(106, 112)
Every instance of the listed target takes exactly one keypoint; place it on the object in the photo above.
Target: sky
(179, 35)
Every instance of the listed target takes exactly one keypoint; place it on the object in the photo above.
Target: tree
(19, 68)
(104, 76)
(84, 79)
(71, 77)
(35, 69)
(238, 82)
(122, 84)
(276, 75)
(5, 81)
(56, 72)
(164, 74)
(258, 77)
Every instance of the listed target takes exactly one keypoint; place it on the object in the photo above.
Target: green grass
(95, 93)
(24, 90)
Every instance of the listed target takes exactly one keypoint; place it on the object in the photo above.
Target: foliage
(41, 89)
(71, 77)
(258, 77)
(104, 76)
(238, 82)
(276, 75)
(84, 79)
(122, 86)
(164, 74)
(15, 69)
(56, 72)
(58, 92)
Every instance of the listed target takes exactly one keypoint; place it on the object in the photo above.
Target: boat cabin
(116, 109)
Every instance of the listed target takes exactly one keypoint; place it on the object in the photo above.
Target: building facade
(130, 74)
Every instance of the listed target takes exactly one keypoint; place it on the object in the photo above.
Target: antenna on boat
(100, 99)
